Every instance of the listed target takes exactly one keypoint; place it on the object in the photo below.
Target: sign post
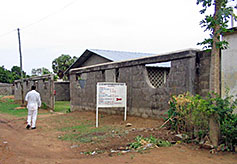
(109, 95)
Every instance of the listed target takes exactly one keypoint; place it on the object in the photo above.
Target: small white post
(97, 117)
(125, 110)
(97, 107)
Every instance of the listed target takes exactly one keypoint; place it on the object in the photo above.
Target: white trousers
(32, 117)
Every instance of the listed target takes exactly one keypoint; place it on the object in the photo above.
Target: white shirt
(33, 100)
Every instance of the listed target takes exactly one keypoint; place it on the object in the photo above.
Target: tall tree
(62, 63)
(16, 73)
(216, 24)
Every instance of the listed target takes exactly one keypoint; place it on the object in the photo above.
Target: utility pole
(19, 40)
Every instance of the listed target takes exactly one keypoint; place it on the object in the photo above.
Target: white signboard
(110, 94)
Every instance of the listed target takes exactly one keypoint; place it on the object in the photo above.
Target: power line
(7, 33)
(40, 20)
(49, 15)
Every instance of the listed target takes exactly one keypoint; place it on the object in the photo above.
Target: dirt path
(42, 146)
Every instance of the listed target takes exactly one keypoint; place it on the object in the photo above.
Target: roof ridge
(120, 51)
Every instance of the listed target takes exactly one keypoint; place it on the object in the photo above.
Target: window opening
(158, 73)
(117, 74)
(81, 80)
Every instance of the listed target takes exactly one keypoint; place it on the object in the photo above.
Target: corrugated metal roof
(163, 64)
(123, 55)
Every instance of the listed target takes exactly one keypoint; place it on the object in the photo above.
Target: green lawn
(62, 106)
(8, 106)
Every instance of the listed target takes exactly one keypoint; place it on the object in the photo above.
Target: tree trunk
(214, 130)
(215, 76)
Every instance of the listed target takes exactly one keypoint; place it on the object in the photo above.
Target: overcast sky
(50, 28)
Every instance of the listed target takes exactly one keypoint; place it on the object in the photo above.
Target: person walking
(33, 103)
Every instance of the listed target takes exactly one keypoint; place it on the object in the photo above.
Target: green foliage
(44, 106)
(229, 131)
(219, 18)
(9, 76)
(142, 143)
(4, 75)
(190, 115)
(62, 63)
(163, 143)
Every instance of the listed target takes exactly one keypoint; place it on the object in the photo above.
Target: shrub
(44, 106)
(190, 115)
(142, 143)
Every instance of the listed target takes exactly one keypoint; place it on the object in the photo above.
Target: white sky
(152, 26)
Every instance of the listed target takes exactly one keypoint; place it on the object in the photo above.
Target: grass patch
(62, 106)
(85, 133)
(8, 107)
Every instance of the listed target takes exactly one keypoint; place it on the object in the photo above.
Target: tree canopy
(62, 63)
(216, 23)
(9, 76)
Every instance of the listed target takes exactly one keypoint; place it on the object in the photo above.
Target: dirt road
(42, 146)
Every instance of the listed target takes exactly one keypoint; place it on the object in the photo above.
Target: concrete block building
(151, 79)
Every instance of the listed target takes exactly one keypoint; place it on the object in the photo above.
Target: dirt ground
(43, 146)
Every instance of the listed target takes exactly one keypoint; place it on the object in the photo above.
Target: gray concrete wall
(44, 85)
(229, 65)
(6, 89)
(142, 98)
(203, 62)
(94, 59)
(62, 91)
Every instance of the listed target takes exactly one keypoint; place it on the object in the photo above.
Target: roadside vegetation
(190, 116)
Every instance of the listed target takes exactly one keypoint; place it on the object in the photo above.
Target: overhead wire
(49, 15)
(39, 20)
(7, 33)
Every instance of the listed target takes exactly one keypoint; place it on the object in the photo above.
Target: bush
(190, 115)
(44, 106)
(142, 143)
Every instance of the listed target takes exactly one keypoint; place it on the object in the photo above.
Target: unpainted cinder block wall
(203, 61)
(44, 85)
(6, 89)
(143, 99)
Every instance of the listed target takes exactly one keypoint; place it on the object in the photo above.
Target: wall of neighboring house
(6, 89)
(229, 65)
(44, 85)
(93, 60)
(144, 98)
